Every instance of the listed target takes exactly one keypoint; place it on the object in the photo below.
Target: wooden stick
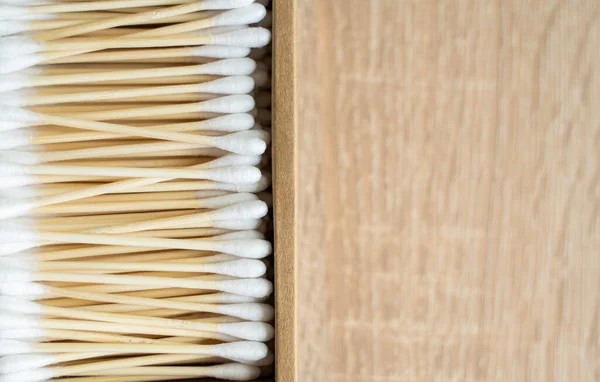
(131, 362)
(198, 71)
(108, 152)
(128, 308)
(176, 195)
(146, 55)
(154, 94)
(78, 136)
(106, 23)
(108, 288)
(186, 295)
(167, 371)
(197, 266)
(120, 379)
(87, 44)
(168, 282)
(92, 326)
(100, 5)
(125, 348)
(194, 219)
(154, 111)
(119, 172)
(74, 335)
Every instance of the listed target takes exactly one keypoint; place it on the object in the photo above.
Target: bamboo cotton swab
(131, 232)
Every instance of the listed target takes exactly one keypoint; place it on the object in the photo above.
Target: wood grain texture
(449, 190)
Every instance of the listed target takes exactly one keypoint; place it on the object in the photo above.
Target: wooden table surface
(449, 190)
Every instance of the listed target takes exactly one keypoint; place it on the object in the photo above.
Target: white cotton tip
(232, 160)
(230, 67)
(246, 350)
(18, 305)
(234, 175)
(256, 133)
(225, 4)
(20, 157)
(10, 248)
(11, 82)
(227, 85)
(16, 114)
(13, 46)
(21, 193)
(13, 347)
(27, 2)
(254, 209)
(16, 98)
(250, 249)
(18, 63)
(228, 200)
(25, 290)
(249, 14)
(225, 298)
(22, 262)
(238, 103)
(9, 125)
(10, 321)
(10, 208)
(240, 143)
(252, 331)
(11, 169)
(231, 122)
(239, 235)
(221, 51)
(247, 287)
(35, 375)
(17, 277)
(16, 181)
(218, 30)
(17, 363)
(234, 372)
(10, 27)
(13, 139)
(259, 186)
(16, 239)
(23, 334)
(9, 12)
(238, 268)
(250, 312)
(267, 361)
(237, 224)
(249, 37)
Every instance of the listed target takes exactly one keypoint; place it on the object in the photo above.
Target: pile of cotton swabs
(133, 185)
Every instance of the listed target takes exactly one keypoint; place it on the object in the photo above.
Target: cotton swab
(18, 46)
(245, 350)
(37, 323)
(225, 67)
(236, 268)
(230, 372)
(18, 363)
(227, 85)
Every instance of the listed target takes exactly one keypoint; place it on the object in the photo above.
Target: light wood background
(449, 190)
